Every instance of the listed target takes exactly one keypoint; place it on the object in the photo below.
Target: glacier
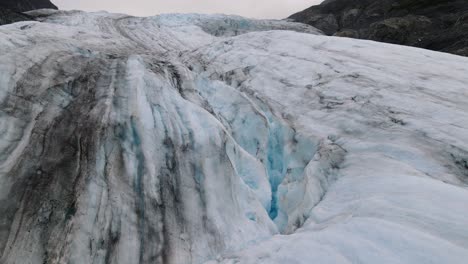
(187, 138)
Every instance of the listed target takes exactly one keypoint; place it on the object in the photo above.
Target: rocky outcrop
(26, 5)
(11, 10)
(439, 25)
(8, 16)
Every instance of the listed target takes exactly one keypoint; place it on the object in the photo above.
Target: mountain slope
(432, 24)
(11, 10)
(7, 16)
(26, 5)
(210, 138)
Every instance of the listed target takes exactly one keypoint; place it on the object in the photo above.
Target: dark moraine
(440, 25)
(11, 11)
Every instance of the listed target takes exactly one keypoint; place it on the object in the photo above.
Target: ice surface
(220, 139)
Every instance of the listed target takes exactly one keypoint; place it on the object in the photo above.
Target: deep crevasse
(281, 152)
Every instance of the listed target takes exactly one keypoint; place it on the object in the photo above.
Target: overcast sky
(248, 8)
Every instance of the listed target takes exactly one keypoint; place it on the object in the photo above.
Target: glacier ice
(219, 139)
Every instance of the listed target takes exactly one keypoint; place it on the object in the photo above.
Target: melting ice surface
(220, 139)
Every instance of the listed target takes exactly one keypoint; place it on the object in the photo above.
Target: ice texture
(220, 139)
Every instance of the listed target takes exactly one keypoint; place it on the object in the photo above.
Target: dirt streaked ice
(220, 139)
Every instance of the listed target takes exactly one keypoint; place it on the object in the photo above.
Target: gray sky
(248, 8)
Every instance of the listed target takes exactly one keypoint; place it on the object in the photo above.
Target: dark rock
(26, 5)
(401, 30)
(347, 33)
(440, 25)
(8, 16)
(11, 10)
